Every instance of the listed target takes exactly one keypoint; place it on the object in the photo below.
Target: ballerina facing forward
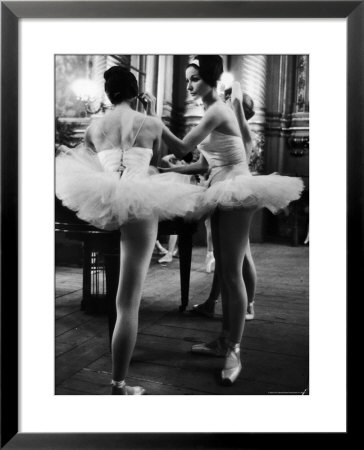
(233, 195)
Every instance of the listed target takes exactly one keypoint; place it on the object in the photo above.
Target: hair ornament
(196, 62)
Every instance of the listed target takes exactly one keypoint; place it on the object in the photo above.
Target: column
(299, 139)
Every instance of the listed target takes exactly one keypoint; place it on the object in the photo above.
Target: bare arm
(237, 105)
(180, 147)
(211, 120)
(156, 147)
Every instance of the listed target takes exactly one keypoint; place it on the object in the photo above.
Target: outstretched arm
(180, 147)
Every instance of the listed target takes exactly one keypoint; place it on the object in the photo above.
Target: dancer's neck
(210, 98)
(126, 105)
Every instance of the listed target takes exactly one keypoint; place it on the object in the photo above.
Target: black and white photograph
(182, 224)
(181, 200)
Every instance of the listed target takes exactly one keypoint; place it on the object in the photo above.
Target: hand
(236, 93)
(171, 160)
(149, 102)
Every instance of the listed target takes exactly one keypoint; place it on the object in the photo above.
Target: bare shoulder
(94, 126)
(223, 108)
(218, 108)
(154, 124)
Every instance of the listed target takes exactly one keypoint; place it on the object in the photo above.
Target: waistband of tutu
(218, 169)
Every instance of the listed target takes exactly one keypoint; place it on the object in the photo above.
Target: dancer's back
(124, 128)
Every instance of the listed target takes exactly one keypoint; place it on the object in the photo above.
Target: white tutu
(94, 189)
(231, 185)
(229, 189)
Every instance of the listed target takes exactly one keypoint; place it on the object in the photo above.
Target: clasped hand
(171, 161)
(149, 102)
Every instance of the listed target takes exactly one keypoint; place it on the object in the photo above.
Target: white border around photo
(324, 409)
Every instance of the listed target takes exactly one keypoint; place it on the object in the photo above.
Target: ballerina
(111, 184)
(232, 197)
(207, 308)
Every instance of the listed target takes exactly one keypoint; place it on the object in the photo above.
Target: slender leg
(136, 247)
(233, 236)
(216, 231)
(249, 275)
(210, 247)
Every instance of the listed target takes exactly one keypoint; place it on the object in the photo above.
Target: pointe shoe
(250, 312)
(166, 259)
(210, 262)
(214, 348)
(127, 390)
(232, 367)
(206, 309)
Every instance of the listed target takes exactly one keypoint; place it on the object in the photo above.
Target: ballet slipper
(232, 366)
(250, 312)
(166, 259)
(120, 388)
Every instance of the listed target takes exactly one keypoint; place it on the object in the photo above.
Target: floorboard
(275, 346)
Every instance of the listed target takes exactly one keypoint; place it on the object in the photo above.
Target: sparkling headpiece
(196, 62)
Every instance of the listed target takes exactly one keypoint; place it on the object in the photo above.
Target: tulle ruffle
(273, 191)
(106, 200)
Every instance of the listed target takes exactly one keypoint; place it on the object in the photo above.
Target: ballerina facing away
(111, 184)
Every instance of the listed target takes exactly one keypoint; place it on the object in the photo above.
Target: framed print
(27, 258)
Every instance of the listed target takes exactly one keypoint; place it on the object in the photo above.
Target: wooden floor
(274, 347)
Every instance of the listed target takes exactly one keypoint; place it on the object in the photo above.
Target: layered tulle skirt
(235, 187)
(107, 199)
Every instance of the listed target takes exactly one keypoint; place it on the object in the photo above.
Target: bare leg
(233, 235)
(250, 279)
(234, 226)
(216, 232)
(230, 235)
(249, 274)
(136, 247)
(210, 259)
(210, 247)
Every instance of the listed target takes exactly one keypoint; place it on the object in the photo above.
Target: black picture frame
(11, 13)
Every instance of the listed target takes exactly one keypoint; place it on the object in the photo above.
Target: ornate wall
(278, 84)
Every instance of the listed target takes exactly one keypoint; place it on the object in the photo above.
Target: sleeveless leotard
(114, 186)
(230, 183)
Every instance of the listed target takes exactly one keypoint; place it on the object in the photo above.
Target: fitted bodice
(225, 155)
(136, 160)
(221, 149)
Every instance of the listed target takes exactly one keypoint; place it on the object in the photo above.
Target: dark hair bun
(120, 84)
(210, 68)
